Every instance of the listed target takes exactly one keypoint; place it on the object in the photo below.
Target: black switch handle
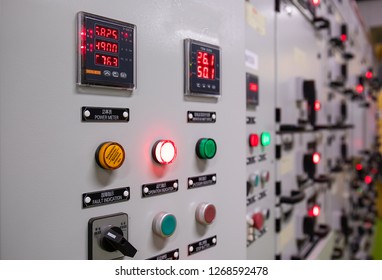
(296, 197)
(113, 240)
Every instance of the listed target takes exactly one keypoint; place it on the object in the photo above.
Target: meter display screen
(202, 69)
(106, 52)
(206, 65)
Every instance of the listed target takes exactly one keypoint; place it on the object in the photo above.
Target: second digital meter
(202, 69)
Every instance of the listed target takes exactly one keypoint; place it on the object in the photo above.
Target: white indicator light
(164, 151)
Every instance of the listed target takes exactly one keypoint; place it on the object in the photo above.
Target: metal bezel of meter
(106, 54)
(206, 82)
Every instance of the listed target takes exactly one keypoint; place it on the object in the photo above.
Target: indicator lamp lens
(316, 2)
(368, 179)
(343, 37)
(359, 88)
(316, 158)
(358, 166)
(314, 211)
(369, 75)
(253, 87)
(253, 140)
(206, 148)
(317, 105)
(164, 151)
(265, 138)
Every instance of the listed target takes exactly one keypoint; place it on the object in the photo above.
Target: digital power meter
(202, 69)
(106, 52)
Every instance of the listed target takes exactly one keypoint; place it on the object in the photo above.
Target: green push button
(265, 138)
(206, 148)
(168, 225)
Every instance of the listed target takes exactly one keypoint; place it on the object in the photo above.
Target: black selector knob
(112, 239)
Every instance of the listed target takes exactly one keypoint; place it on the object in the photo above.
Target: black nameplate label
(105, 197)
(251, 160)
(202, 245)
(251, 120)
(105, 114)
(255, 198)
(154, 189)
(256, 236)
(262, 157)
(172, 255)
(201, 117)
(201, 181)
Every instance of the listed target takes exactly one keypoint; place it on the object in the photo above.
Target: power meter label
(105, 114)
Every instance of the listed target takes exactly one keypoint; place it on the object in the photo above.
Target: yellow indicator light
(94, 72)
(110, 155)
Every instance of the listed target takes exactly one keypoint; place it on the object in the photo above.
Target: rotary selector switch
(112, 239)
(164, 224)
(205, 213)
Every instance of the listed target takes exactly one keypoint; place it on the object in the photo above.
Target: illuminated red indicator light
(164, 151)
(316, 2)
(317, 105)
(343, 37)
(253, 140)
(368, 179)
(253, 87)
(316, 158)
(369, 75)
(358, 166)
(314, 211)
(359, 88)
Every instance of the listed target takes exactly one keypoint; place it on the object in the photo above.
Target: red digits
(115, 34)
(200, 73)
(200, 55)
(115, 61)
(213, 73)
(205, 73)
(212, 60)
(205, 58)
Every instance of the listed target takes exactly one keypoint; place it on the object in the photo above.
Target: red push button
(253, 140)
(258, 220)
(205, 213)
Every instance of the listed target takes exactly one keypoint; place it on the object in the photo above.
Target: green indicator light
(265, 138)
(206, 148)
(168, 225)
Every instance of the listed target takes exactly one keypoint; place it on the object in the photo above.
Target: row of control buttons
(255, 178)
(111, 155)
(265, 139)
(115, 74)
(255, 221)
(164, 224)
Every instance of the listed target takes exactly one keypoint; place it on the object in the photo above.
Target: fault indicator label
(105, 197)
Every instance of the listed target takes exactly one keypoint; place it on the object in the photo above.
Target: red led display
(369, 75)
(343, 37)
(106, 46)
(359, 88)
(108, 60)
(317, 105)
(368, 179)
(253, 87)
(206, 65)
(107, 32)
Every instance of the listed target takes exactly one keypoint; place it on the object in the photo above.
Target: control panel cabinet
(107, 144)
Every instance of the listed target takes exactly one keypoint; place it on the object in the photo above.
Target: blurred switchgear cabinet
(217, 129)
